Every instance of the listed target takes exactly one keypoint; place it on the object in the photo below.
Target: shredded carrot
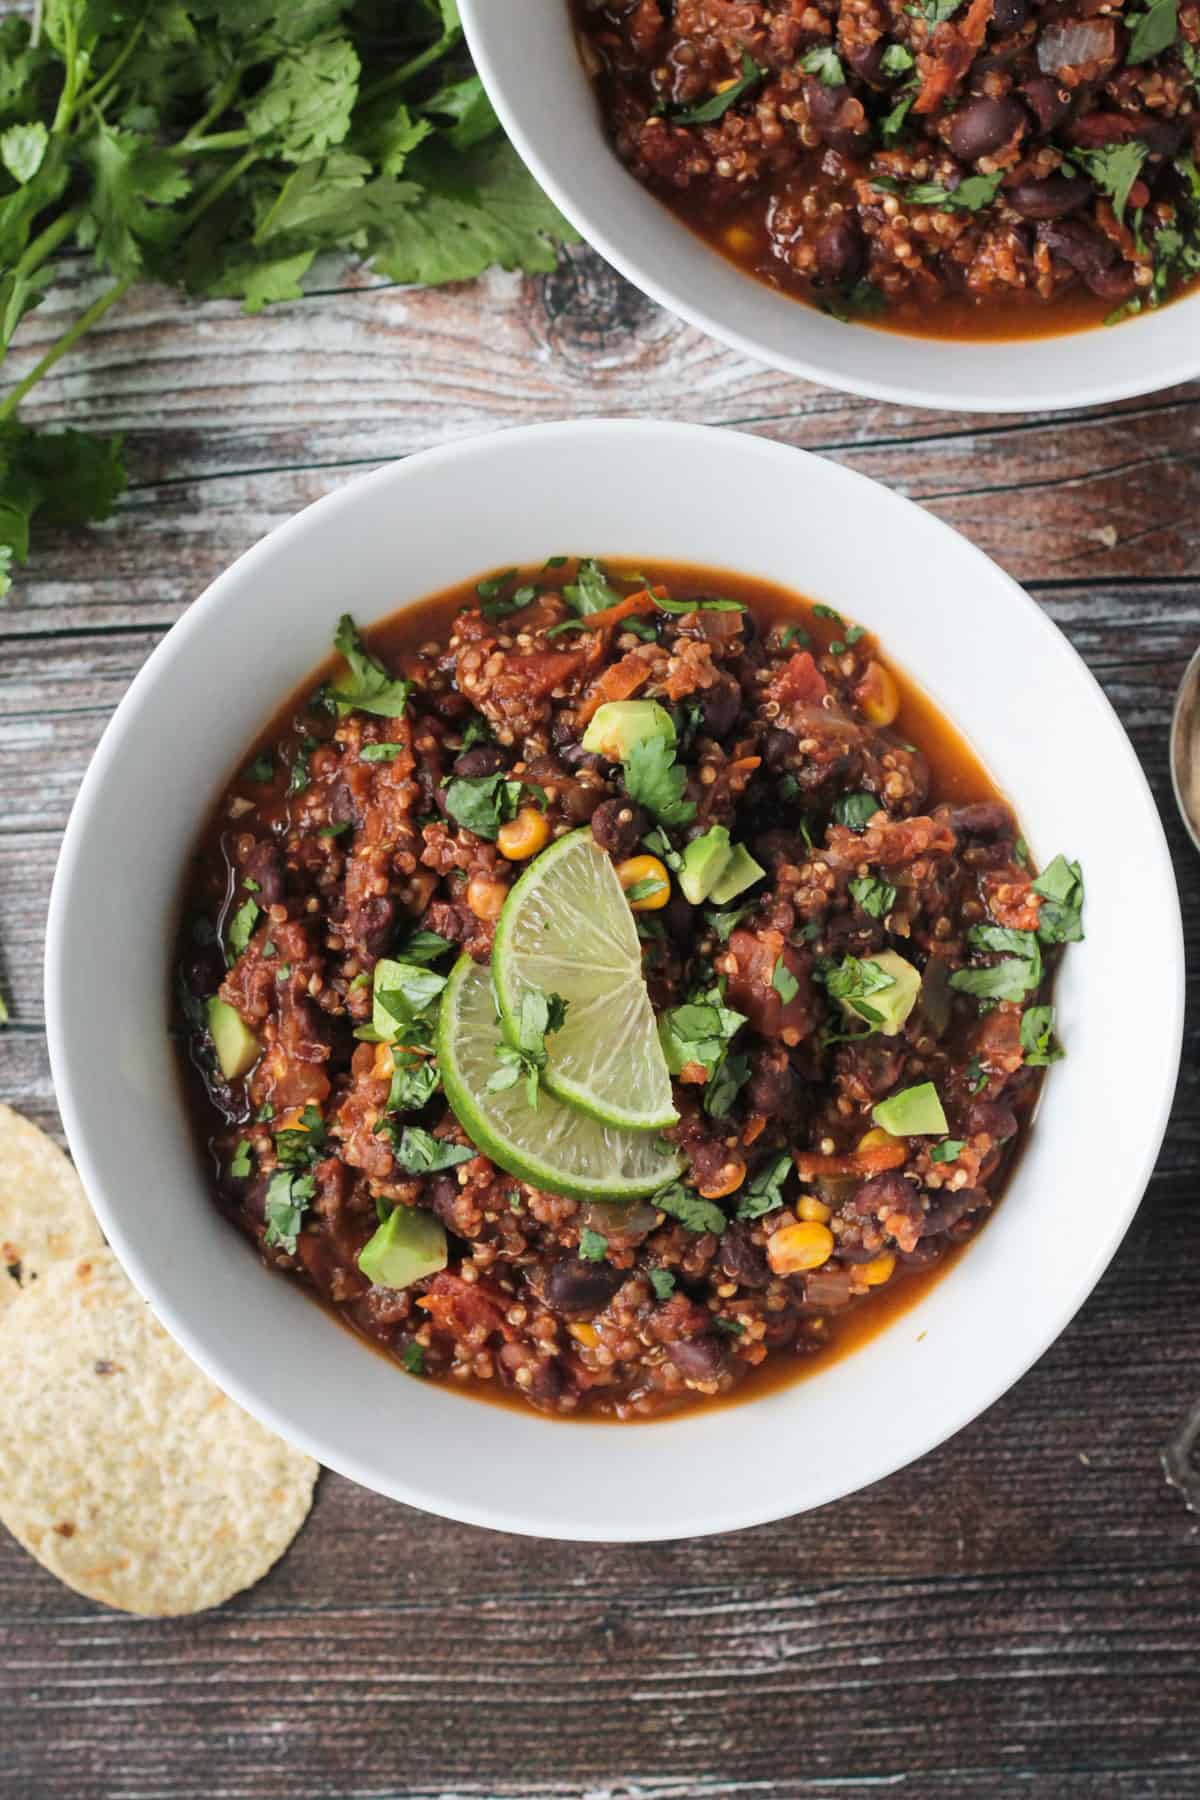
(856, 1162)
(642, 602)
(754, 1129)
(618, 682)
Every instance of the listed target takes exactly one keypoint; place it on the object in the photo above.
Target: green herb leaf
(856, 810)
(592, 1246)
(415, 1080)
(971, 195)
(824, 63)
(763, 1193)
(646, 888)
(1115, 168)
(413, 1359)
(370, 688)
(419, 1153)
(698, 1032)
(717, 105)
(424, 947)
(591, 591)
(663, 1283)
(1152, 31)
(1060, 917)
(541, 1015)
(482, 803)
(876, 896)
(654, 779)
(241, 926)
(687, 1206)
(854, 981)
(240, 1163)
(896, 60)
(725, 922)
(1037, 1028)
(1019, 974)
(784, 982)
(697, 605)
(287, 1196)
(382, 753)
(947, 1150)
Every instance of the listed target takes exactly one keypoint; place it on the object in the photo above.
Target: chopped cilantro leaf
(482, 803)
(1152, 31)
(855, 810)
(663, 1283)
(794, 634)
(644, 889)
(718, 104)
(1037, 1028)
(694, 1213)
(540, 1016)
(724, 922)
(413, 1359)
(698, 1032)
(287, 1197)
(370, 688)
(853, 981)
(299, 778)
(947, 1150)
(698, 605)
(261, 770)
(591, 591)
(654, 779)
(824, 63)
(1114, 169)
(420, 1153)
(381, 753)
(424, 947)
(971, 195)
(1060, 918)
(784, 982)
(1011, 979)
(593, 1247)
(240, 1163)
(876, 896)
(241, 926)
(763, 1193)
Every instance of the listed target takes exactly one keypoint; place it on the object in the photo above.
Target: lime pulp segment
(552, 1146)
(567, 928)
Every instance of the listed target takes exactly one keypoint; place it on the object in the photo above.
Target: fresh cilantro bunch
(221, 147)
(540, 1016)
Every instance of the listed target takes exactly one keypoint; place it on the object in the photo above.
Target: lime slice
(566, 928)
(551, 1146)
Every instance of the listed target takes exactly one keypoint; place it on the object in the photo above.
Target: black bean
(983, 818)
(992, 1116)
(576, 757)
(770, 1090)
(700, 1358)
(841, 251)
(1115, 284)
(372, 923)
(983, 125)
(742, 1259)
(618, 827)
(1009, 15)
(579, 1289)
(778, 746)
(866, 61)
(1163, 137)
(1079, 245)
(484, 759)
(1052, 198)
(265, 864)
(548, 1382)
(343, 809)
(1049, 101)
(720, 704)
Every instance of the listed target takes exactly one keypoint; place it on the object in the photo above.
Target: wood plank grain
(1017, 1613)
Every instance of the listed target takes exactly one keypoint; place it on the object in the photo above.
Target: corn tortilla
(44, 1212)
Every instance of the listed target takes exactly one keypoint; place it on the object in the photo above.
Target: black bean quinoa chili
(949, 167)
(883, 847)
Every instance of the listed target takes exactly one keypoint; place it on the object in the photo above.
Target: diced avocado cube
(889, 1006)
(913, 1112)
(739, 873)
(704, 862)
(408, 1245)
(236, 1046)
(620, 724)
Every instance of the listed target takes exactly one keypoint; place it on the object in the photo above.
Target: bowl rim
(437, 1496)
(561, 185)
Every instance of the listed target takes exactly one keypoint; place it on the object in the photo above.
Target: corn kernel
(645, 869)
(795, 1248)
(292, 1120)
(739, 240)
(585, 1334)
(523, 836)
(814, 1210)
(384, 1066)
(878, 1270)
(878, 695)
(728, 1177)
(486, 896)
(877, 1139)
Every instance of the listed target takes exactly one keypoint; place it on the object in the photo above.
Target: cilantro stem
(399, 77)
(95, 312)
(215, 189)
(225, 96)
(70, 54)
(48, 241)
(101, 86)
(220, 140)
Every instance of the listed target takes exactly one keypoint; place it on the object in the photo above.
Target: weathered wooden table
(1018, 1614)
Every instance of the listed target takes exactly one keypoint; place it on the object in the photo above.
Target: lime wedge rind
(567, 929)
(553, 1146)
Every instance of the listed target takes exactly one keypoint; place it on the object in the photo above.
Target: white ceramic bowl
(527, 57)
(985, 653)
